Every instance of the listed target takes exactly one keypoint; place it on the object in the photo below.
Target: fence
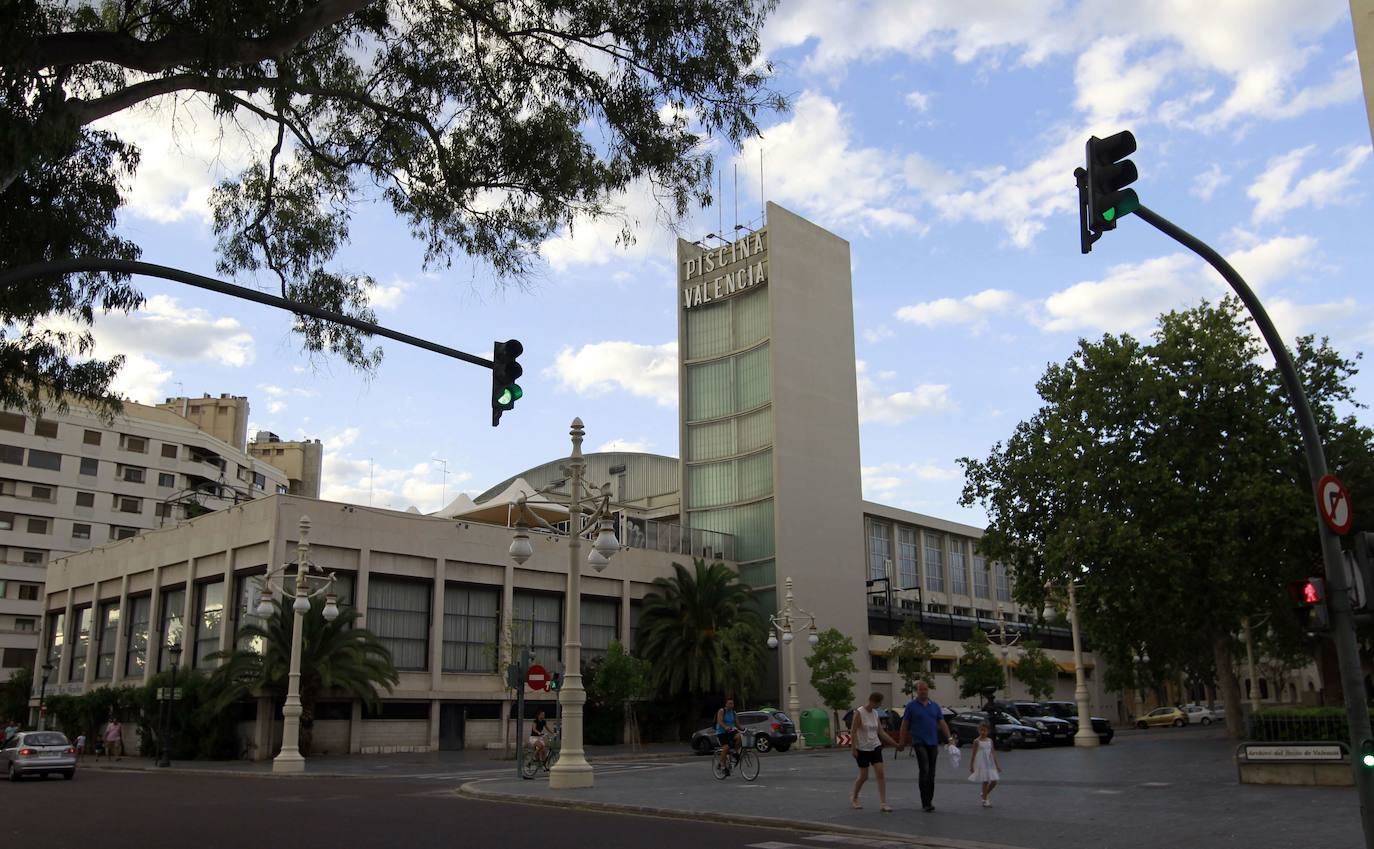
(1299, 725)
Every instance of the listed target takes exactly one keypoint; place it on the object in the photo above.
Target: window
(41, 493)
(18, 658)
(879, 549)
(25, 624)
(471, 622)
(131, 474)
(28, 592)
(12, 454)
(248, 587)
(169, 450)
(37, 526)
(163, 510)
(128, 505)
(1003, 584)
(537, 619)
(45, 428)
(89, 466)
(958, 572)
(980, 577)
(136, 444)
(398, 613)
(259, 481)
(6, 521)
(85, 499)
(109, 634)
(166, 480)
(57, 632)
(173, 625)
(941, 666)
(598, 627)
(45, 460)
(80, 643)
(12, 422)
(136, 637)
(906, 558)
(877, 662)
(91, 437)
(33, 557)
(935, 562)
(209, 622)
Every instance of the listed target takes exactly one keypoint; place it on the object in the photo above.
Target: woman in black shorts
(866, 736)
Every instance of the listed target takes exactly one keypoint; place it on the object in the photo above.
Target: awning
(500, 508)
(1067, 666)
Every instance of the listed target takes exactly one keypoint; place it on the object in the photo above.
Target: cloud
(1206, 184)
(353, 479)
(972, 310)
(597, 242)
(163, 327)
(141, 380)
(879, 407)
(639, 446)
(883, 481)
(1275, 192)
(918, 101)
(390, 296)
(882, 332)
(646, 371)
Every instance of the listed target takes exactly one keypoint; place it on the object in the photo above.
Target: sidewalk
(1148, 790)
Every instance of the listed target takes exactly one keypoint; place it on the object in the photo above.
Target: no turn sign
(1334, 503)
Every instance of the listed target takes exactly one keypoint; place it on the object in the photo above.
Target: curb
(891, 840)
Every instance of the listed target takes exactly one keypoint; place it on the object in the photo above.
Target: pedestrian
(11, 729)
(923, 722)
(983, 766)
(80, 745)
(114, 739)
(866, 739)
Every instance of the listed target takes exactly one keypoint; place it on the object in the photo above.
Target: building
(1362, 16)
(225, 418)
(71, 481)
(301, 460)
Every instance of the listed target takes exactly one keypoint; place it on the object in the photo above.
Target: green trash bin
(815, 727)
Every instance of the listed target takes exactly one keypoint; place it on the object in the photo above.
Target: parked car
(1069, 711)
(764, 730)
(38, 753)
(1053, 730)
(1006, 732)
(1162, 716)
(1203, 715)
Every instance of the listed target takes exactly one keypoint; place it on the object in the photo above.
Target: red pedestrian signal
(1310, 593)
(1309, 598)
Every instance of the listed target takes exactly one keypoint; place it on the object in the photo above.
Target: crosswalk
(816, 841)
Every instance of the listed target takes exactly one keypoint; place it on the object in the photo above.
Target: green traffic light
(510, 395)
(1368, 759)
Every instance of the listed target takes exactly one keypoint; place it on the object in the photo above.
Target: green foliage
(14, 696)
(200, 729)
(621, 677)
(684, 627)
(978, 667)
(832, 669)
(911, 652)
(336, 657)
(1037, 670)
(741, 660)
(487, 127)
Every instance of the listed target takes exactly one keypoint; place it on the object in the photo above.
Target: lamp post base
(570, 776)
(1086, 739)
(288, 763)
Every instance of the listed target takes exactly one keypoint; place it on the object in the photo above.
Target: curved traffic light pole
(1338, 599)
(148, 269)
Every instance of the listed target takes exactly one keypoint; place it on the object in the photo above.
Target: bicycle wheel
(748, 764)
(530, 766)
(717, 769)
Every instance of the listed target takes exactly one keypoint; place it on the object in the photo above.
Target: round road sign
(1333, 500)
(537, 677)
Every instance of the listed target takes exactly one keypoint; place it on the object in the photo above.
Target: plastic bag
(954, 754)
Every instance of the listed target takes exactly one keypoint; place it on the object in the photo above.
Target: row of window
(937, 557)
(80, 530)
(47, 428)
(398, 612)
(22, 590)
(90, 466)
(938, 666)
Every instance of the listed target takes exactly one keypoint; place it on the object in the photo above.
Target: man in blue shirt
(925, 722)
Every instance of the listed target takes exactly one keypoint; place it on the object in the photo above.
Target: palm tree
(688, 626)
(334, 657)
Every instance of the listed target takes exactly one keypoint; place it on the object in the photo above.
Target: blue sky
(938, 138)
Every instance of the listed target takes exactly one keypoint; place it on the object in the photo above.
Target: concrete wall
(387, 736)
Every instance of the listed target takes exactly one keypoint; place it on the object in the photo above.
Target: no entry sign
(1334, 502)
(537, 677)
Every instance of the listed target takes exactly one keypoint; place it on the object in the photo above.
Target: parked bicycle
(745, 760)
(534, 762)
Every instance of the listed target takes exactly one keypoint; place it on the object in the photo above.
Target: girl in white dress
(983, 766)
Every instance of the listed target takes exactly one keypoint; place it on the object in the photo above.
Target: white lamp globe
(787, 637)
(606, 543)
(301, 605)
(265, 606)
(813, 639)
(331, 607)
(520, 548)
(772, 640)
(598, 560)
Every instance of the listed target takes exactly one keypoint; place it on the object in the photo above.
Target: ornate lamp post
(167, 704)
(785, 622)
(1085, 736)
(289, 760)
(572, 769)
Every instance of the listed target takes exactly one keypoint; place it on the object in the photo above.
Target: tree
(486, 126)
(978, 667)
(619, 681)
(684, 625)
(1036, 670)
(14, 696)
(912, 651)
(832, 670)
(1169, 479)
(741, 660)
(336, 657)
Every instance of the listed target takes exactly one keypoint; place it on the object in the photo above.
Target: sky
(938, 138)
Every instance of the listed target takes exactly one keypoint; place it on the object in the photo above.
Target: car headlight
(1040, 725)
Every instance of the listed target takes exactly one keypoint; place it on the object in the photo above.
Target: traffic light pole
(1338, 599)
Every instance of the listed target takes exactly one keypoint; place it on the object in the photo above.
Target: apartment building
(301, 460)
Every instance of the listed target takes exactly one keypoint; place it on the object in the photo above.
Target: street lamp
(785, 622)
(42, 693)
(1086, 736)
(572, 770)
(1005, 640)
(167, 704)
(289, 760)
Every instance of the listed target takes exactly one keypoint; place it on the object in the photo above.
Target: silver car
(38, 753)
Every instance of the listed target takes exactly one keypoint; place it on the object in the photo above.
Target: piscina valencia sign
(716, 274)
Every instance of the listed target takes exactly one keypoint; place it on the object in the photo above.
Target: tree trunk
(1230, 686)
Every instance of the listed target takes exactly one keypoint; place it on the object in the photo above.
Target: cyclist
(727, 732)
(538, 733)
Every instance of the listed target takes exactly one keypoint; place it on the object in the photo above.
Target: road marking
(775, 844)
(1157, 784)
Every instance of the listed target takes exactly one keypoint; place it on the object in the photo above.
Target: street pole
(1086, 736)
(1338, 596)
(793, 700)
(42, 695)
(289, 760)
(572, 770)
(1250, 667)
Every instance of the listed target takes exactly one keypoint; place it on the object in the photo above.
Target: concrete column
(360, 585)
(230, 624)
(155, 626)
(189, 625)
(436, 649)
(433, 725)
(64, 664)
(121, 633)
(92, 640)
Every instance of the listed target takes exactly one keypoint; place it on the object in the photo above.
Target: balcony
(673, 538)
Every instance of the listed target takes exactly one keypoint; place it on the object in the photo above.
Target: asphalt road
(125, 810)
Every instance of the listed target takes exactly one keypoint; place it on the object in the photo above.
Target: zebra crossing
(816, 841)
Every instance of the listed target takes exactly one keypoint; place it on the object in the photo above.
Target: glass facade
(209, 621)
(472, 622)
(136, 647)
(81, 642)
(598, 626)
(1003, 583)
(173, 625)
(537, 621)
(398, 613)
(958, 569)
(935, 562)
(980, 577)
(109, 634)
(906, 559)
(879, 549)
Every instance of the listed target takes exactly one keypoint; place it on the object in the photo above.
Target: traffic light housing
(1309, 597)
(1367, 754)
(1103, 196)
(555, 680)
(1363, 585)
(505, 371)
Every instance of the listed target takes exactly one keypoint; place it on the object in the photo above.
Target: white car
(1202, 715)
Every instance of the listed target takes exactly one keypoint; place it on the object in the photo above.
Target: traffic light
(505, 371)
(1363, 573)
(555, 680)
(1367, 754)
(1109, 172)
(1310, 598)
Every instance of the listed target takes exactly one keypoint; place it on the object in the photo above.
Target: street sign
(842, 739)
(537, 677)
(1334, 502)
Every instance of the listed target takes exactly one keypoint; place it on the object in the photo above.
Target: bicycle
(533, 763)
(742, 758)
